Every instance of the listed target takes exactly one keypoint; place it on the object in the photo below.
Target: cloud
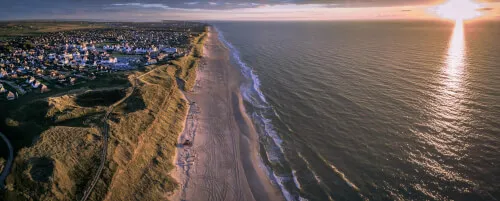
(154, 5)
(190, 9)
(484, 9)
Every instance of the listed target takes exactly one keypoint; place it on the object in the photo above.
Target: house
(36, 84)
(2, 90)
(3, 74)
(52, 56)
(30, 80)
(44, 89)
(161, 56)
(53, 75)
(72, 80)
(151, 61)
(110, 60)
(170, 50)
(11, 96)
(68, 56)
(141, 51)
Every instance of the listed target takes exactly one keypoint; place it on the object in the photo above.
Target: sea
(373, 110)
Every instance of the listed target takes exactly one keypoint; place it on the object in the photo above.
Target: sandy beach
(223, 162)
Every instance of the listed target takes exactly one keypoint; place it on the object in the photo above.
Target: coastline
(223, 163)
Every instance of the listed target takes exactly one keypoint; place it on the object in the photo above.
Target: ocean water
(374, 110)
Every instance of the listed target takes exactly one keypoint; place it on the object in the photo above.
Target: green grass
(20, 28)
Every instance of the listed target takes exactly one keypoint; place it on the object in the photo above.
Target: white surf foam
(295, 180)
(252, 93)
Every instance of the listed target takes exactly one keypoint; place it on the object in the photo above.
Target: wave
(252, 94)
(323, 187)
(247, 73)
(339, 173)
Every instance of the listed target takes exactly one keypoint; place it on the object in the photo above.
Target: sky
(157, 10)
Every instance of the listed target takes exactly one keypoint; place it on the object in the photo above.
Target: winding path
(105, 134)
(6, 169)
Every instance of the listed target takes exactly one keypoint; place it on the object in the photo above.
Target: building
(30, 80)
(36, 84)
(44, 89)
(2, 89)
(11, 96)
(170, 50)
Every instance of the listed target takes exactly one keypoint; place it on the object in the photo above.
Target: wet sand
(223, 163)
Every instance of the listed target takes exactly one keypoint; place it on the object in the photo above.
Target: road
(8, 165)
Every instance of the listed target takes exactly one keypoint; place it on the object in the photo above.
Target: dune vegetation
(143, 133)
(186, 66)
(66, 135)
(143, 139)
(57, 167)
(62, 159)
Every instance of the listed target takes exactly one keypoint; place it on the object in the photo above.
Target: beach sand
(223, 162)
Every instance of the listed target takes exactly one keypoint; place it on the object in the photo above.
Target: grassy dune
(143, 132)
(56, 167)
(186, 66)
(62, 160)
(143, 136)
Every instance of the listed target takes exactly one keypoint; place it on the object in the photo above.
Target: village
(54, 60)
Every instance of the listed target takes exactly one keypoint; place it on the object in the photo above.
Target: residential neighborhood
(37, 64)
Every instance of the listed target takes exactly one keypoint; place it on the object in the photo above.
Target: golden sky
(155, 10)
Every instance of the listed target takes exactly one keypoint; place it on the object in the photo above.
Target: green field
(25, 28)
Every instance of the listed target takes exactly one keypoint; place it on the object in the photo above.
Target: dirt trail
(105, 134)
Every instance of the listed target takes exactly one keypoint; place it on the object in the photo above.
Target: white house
(52, 56)
(170, 50)
(36, 84)
(111, 60)
(140, 51)
(30, 80)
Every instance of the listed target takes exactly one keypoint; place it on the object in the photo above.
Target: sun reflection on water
(455, 61)
(446, 133)
(448, 108)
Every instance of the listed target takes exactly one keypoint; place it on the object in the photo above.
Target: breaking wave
(261, 113)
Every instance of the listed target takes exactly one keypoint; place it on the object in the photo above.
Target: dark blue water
(374, 110)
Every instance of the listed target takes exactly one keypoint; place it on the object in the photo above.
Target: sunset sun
(458, 10)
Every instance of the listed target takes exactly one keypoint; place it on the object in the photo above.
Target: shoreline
(223, 163)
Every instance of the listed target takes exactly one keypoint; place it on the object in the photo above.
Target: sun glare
(458, 10)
